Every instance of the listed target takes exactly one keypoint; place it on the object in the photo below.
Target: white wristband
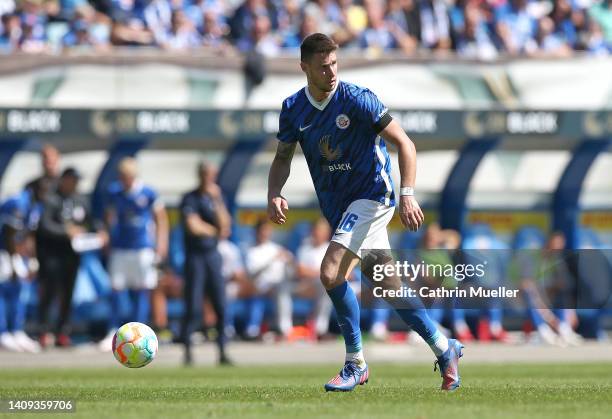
(407, 191)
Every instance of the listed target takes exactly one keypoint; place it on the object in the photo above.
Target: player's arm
(410, 212)
(279, 173)
(224, 219)
(161, 230)
(198, 227)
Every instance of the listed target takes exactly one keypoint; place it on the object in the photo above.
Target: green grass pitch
(406, 391)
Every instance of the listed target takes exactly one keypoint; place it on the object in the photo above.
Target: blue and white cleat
(348, 378)
(449, 365)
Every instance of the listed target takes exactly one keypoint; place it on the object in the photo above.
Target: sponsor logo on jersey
(327, 151)
(331, 155)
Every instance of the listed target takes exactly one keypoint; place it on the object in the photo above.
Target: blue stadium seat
(529, 237)
(176, 249)
(587, 239)
(410, 239)
(243, 236)
(300, 231)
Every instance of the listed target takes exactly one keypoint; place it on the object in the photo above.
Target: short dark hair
(315, 44)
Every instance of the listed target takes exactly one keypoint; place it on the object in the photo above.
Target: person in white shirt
(308, 271)
(269, 266)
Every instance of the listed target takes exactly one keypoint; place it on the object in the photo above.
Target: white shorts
(133, 269)
(10, 265)
(6, 269)
(364, 226)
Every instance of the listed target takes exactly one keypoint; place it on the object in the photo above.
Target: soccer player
(138, 226)
(342, 129)
(19, 216)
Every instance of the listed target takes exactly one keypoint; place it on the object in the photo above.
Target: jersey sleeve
(286, 130)
(373, 111)
(155, 201)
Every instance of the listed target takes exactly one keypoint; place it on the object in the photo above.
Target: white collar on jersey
(323, 104)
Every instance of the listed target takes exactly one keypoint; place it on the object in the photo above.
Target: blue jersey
(134, 226)
(20, 213)
(347, 158)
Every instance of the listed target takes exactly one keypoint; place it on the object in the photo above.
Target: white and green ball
(135, 345)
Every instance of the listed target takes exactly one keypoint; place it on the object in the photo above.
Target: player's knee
(329, 276)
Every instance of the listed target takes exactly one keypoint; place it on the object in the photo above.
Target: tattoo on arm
(285, 151)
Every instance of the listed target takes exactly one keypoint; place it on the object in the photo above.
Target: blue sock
(16, 310)
(496, 315)
(3, 323)
(420, 322)
(142, 306)
(535, 317)
(115, 315)
(347, 311)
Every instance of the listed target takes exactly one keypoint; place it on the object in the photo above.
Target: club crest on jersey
(343, 121)
(142, 201)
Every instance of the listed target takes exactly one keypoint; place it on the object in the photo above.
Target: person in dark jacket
(65, 218)
(204, 218)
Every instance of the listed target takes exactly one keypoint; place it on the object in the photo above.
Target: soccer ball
(134, 345)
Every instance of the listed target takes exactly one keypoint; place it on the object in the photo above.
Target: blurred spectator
(68, 8)
(601, 12)
(158, 18)
(85, 32)
(182, 35)
(308, 26)
(50, 164)
(10, 32)
(472, 39)
(268, 267)
(595, 42)
(473, 28)
(289, 18)
(546, 42)
(18, 217)
(260, 39)
(204, 216)
(308, 274)
(33, 21)
(405, 15)
(515, 26)
(129, 24)
(381, 35)
(242, 22)
(561, 16)
(65, 218)
(435, 25)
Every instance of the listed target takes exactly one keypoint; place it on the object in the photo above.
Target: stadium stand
(471, 28)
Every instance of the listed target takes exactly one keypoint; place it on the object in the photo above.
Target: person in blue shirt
(19, 216)
(342, 129)
(138, 226)
(204, 218)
